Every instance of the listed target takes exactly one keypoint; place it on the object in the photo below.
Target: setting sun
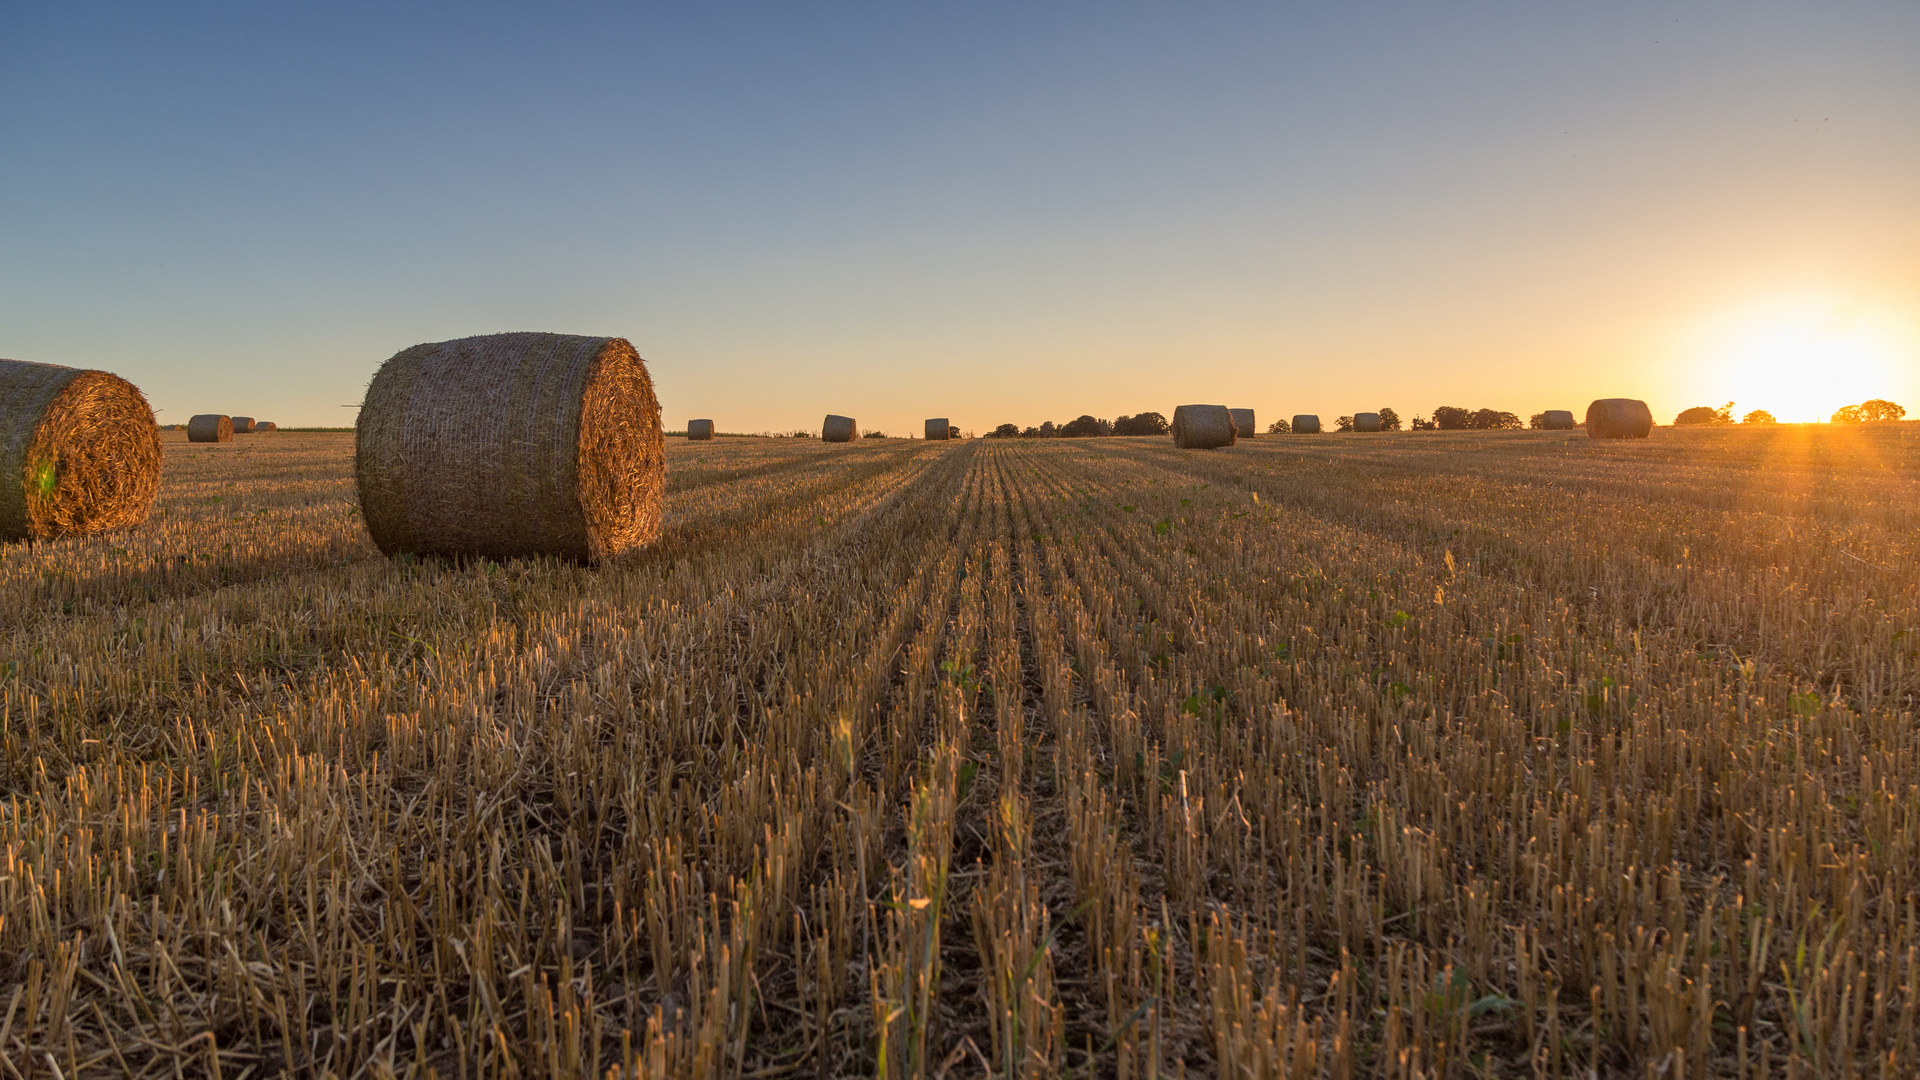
(1801, 360)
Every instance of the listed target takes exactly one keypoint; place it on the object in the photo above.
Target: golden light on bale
(1306, 424)
(700, 430)
(265, 425)
(838, 429)
(1561, 420)
(1366, 421)
(79, 452)
(938, 428)
(512, 444)
(1619, 418)
(1243, 423)
(243, 425)
(1202, 427)
(210, 427)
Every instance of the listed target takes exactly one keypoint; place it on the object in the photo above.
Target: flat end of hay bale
(838, 429)
(938, 429)
(1619, 418)
(79, 452)
(1202, 427)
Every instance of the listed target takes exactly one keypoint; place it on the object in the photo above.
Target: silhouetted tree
(1146, 423)
(1421, 423)
(1868, 412)
(1452, 418)
(1389, 420)
(1704, 415)
(1279, 427)
(1759, 416)
(1084, 426)
(1343, 423)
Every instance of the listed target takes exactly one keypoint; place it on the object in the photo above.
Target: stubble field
(1429, 755)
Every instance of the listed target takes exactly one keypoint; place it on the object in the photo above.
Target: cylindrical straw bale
(210, 427)
(938, 428)
(838, 429)
(243, 425)
(1202, 427)
(79, 452)
(1243, 423)
(1366, 421)
(1306, 424)
(512, 444)
(1619, 418)
(265, 425)
(1559, 420)
(700, 430)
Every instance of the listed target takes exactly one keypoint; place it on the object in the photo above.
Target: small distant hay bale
(1202, 427)
(1561, 420)
(838, 429)
(1619, 418)
(1243, 423)
(79, 452)
(243, 425)
(210, 427)
(1307, 424)
(265, 425)
(510, 445)
(938, 428)
(1366, 421)
(700, 430)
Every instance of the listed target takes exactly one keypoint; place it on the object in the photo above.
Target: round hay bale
(512, 444)
(210, 427)
(265, 425)
(243, 425)
(1243, 423)
(700, 430)
(1202, 427)
(838, 429)
(1560, 420)
(1306, 424)
(1619, 418)
(1366, 421)
(938, 428)
(79, 452)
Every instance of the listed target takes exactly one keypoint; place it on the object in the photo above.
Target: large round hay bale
(1619, 418)
(512, 444)
(79, 451)
(1366, 421)
(700, 430)
(838, 429)
(1561, 420)
(938, 428)
(243, 425)
(210, 427)
(1202, 427)
(1306, 424)
(1243, 423)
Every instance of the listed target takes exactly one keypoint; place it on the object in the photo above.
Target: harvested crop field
(1461, 755)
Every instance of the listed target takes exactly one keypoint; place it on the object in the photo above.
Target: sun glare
(1801, 361)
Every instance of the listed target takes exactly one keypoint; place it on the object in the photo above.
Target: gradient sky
(994, 212)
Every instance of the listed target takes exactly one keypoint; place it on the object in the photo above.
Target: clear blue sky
(992, 212)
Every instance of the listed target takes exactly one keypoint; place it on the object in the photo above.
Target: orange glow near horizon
(1801, 360)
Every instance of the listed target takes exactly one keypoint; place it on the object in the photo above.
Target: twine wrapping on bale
(1202, 427)
(700, 430)
(210, 427)
(1243, 423)
(1366, 421)
(1560, 419)
(243, 425)
(79, 452)
(838, 429)
(938, 428)
(1306, 424)
(512, 444)
(1619, 418)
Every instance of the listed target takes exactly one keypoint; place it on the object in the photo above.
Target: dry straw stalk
(210, 427)
(1202, 427)
(1619, 418)
(838, 429)
(512, 444)
(79, 451)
